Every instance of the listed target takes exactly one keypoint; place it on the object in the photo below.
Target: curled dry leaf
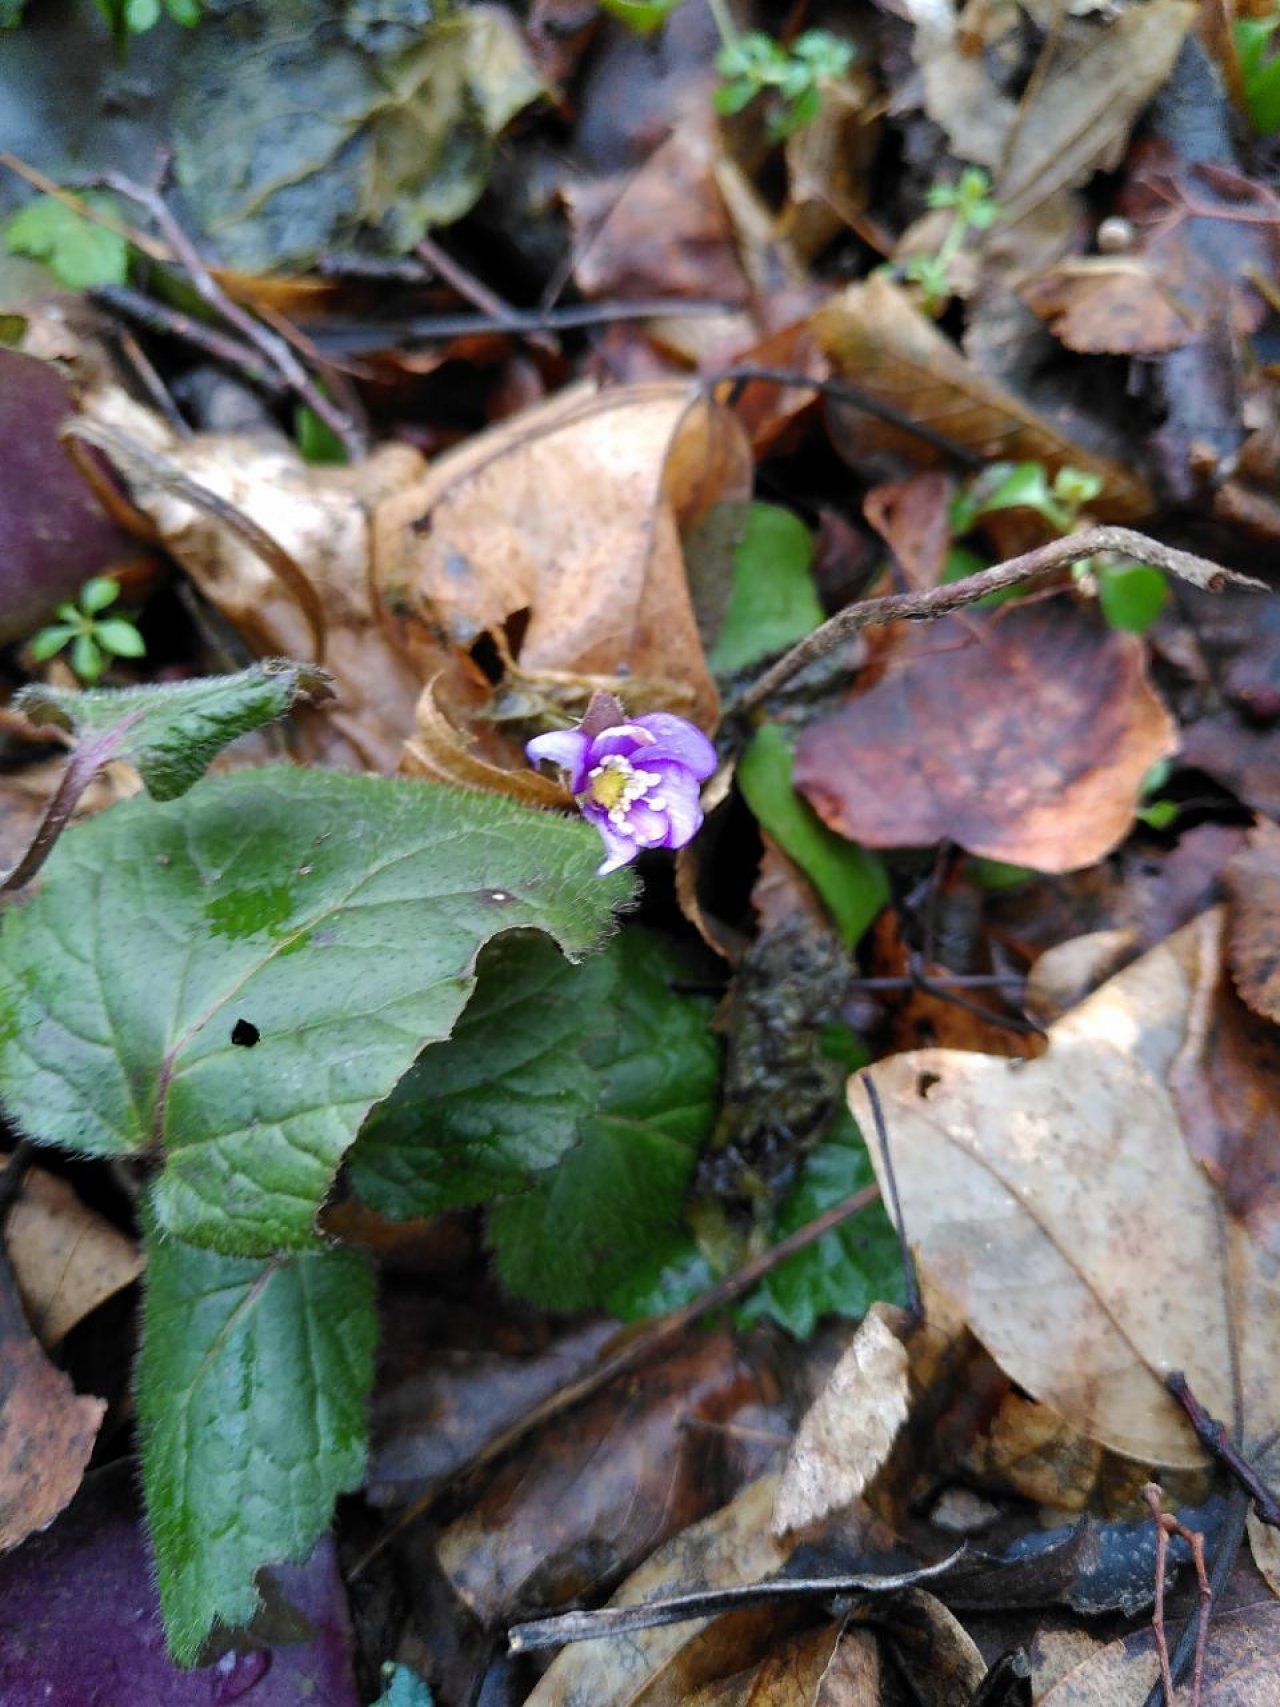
(846, 1435)
(1111, 305)
(1058, 1205)
(912, 517)
(440, 752)
(571, 512)
(1024, 737)
(1253, 883)
(65, 1258)
(47, 1431)
(875, 337)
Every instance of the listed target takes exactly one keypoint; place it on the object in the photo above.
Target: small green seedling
(134, 17)
(642, 17)
(790, 78)
(973, 209)
(94, 640)
(79, 252)
(1156, 814)
(1259, 71)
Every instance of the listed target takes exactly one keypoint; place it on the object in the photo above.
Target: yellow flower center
(616, 786)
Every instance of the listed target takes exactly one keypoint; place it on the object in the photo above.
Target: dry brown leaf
(1024, 737)
(878, 340)
(572, 512)
(828, 162)
(47, 1430)
(1057, 1204)
(1111, 305)
(660, 1667)
(846, 1435)
(321, 517)
(440, 752)
(1253, 883)
(912, 517)
(65, 1258)
(1242, 1665)
(826, 1667)
(932, 1647)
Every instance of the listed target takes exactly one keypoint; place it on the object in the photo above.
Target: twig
(844, 392)
(1030, 566)
(154, 386)
(1230, 1539)
(586, 1626)
(171, 323)
(1213, 1436)
(910, 1279)
(128, 453)
(1166, 1526)
(95, 215)
(636, 1350)
(354, 338)
(271, 345)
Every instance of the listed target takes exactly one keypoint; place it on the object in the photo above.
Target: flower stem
(722, 18)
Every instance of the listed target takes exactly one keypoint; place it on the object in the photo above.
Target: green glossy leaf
(119, 637)
(773, 603)
(641, 16)
(846, 1270)
(1259, 71)
(504, 1098)
(184, 12)
(251, 1388)
(670, 1276)
(1132, 597)
(342, 916)
(578, 1233)
(79, 253)
(850, 880)
(171, 731)
(316, 440)
(50, 641)
(97, 594)
(87, 659)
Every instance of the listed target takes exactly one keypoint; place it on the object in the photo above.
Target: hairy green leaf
(171, 731)
(504, 1098)
(251, 1389)
(338, 917)
(585, 1225)
(79, 253)
(850, 880)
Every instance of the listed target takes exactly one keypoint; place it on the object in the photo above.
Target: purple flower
(636, 780)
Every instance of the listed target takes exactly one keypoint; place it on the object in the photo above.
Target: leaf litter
(655, 390)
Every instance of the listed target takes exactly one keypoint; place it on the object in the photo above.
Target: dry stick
(127, 452)
(1030, 566)
(272, 346)
(635, 1351)
(1166, 1526)
(83, 765)
(171, 323)
(96, 216)
(346, 337)
(910, 1279)
(1213, 1436)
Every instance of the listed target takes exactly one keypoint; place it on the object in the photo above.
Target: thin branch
(171, 323)
(636, 1350)
(1016, 572)
(1213, 1436)
(359, 337)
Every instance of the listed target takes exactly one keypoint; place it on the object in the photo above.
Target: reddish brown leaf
(46, 1430)
(911, 516)
(1253, 882)
(1024, 737)
(1112, 305)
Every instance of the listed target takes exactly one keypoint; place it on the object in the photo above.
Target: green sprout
(973, 209)
(134, 17)
(791, 78)
(1259, 71)
(94, 640)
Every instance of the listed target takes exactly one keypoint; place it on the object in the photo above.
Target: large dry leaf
(1253, 882)
(66, 1259)
(1242, 1665)
(1057, 1204)
(1024, 737)
(876, 338)
(826, 1667)
(660, 1667)
(572, 512)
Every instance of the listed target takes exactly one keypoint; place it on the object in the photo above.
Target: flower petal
(678, 792)
(650, 828)
(622, 738)
(679, 738)
(620, 849)
(564, 747)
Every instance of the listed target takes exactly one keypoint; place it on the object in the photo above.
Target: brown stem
(1030, 566)
(83, 765)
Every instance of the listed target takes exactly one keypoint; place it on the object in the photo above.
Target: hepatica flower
(636, 780)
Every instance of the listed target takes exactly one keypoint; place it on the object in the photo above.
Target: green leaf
(1259, 71)
(171, 731)
(141, 15)
(504, 1098)
(119, 637)
(1132, 596)
(316, 440)
(773, 602)
(341, 916)
(404, 1688)
(850, 880)
(846, 1270)
(578, 1234)
(87, 660)
(79, 253)
(97, 594)
(643, 17)
(251, 1389)
(184, 12)
(50, 641)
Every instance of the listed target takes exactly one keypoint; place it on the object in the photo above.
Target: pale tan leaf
(442, 753)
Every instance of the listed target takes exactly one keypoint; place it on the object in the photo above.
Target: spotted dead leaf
(828, 1667)
(1253, 882)
(1057, 1204)
(1023, 737)
(912, 518)
(875, 337)
(47, 1431)
(65, 1258)
(1111, 305)
(1241, 1669)
(846, 1434)
(569, 515)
